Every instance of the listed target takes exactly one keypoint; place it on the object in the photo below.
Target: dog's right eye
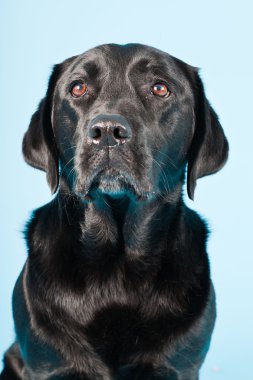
(78, 89)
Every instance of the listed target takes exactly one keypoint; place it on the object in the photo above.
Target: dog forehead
(124, 58)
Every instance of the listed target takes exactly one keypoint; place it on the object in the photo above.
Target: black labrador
(117, 282)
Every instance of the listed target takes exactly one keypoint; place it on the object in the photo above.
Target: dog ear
(39, 146)
(209, 149)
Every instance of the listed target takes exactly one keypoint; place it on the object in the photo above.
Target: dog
(117, 281)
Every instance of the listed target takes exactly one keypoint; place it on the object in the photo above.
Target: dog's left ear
(209, 149)
(39, 146)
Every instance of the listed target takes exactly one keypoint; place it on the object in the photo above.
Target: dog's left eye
(78, 89)
(160, 89)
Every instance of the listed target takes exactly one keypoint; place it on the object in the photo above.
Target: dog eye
(78, 89)
(160, 89)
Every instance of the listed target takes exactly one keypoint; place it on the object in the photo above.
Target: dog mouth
(115, 183)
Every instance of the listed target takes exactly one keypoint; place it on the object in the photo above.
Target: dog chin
(115, 184)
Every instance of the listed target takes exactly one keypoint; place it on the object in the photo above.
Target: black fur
(117, 283)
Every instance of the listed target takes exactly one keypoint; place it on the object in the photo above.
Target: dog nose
(109, 131)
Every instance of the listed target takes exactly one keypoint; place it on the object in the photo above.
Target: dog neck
(124, 223)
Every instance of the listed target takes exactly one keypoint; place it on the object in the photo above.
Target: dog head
(125, 120)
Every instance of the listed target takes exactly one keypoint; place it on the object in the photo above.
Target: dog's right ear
(39, 145)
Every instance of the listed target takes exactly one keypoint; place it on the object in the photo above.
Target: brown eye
(160, 89)
(78, 90)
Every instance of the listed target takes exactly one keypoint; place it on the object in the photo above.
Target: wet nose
(109, 131)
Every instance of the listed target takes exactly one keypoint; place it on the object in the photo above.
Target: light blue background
(215, 36)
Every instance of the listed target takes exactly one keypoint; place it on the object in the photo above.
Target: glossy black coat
(117, 283)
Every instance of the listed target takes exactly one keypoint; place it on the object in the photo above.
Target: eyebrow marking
(91, 69)
(143, 65)
(147, 65)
